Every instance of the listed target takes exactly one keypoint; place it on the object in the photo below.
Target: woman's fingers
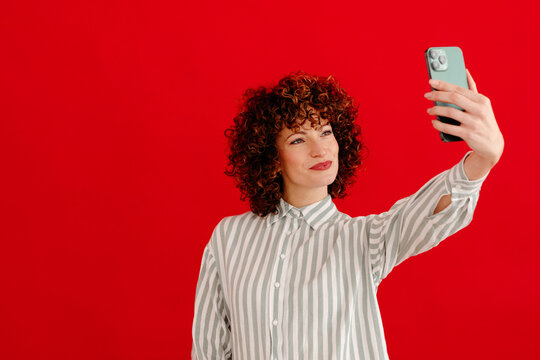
(451, 112)
(455, 98)
(472, 84)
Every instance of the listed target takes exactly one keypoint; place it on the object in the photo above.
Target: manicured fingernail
(433, 82)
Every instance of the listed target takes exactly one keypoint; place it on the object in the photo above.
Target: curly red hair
(264, 112)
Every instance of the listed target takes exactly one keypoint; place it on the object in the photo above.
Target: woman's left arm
(478, 127)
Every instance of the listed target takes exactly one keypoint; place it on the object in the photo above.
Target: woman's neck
(300, 199)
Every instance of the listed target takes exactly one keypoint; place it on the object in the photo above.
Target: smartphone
(447, 64)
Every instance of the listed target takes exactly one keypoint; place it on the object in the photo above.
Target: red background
(112, 116)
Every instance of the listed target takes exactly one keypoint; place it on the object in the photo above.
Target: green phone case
(446, 63)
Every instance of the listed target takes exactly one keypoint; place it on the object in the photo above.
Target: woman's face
(301, 154)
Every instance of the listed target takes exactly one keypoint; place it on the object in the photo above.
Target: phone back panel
(454, 74)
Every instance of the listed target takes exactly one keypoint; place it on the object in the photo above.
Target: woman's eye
(327, 131)
(295, 141)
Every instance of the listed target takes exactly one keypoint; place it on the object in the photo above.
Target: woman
(294, 278)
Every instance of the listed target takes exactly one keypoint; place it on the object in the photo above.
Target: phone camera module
(438, 60)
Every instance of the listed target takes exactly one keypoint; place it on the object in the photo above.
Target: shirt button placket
(277, 284)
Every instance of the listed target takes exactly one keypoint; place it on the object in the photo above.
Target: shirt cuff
(459, 184)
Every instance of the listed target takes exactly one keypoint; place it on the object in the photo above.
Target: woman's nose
(317, 149)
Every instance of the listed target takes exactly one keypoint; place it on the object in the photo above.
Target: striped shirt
(302, 284)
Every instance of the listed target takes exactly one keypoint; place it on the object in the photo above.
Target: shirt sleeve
(410, 227)
(211, 328)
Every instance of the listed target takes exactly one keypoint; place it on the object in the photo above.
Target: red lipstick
(322, 166)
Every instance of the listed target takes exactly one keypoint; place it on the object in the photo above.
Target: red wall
(112, 155)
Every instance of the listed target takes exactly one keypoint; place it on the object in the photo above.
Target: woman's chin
(324, 181)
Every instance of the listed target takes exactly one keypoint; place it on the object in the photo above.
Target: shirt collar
(314, 214)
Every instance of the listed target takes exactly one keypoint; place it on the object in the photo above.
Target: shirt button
(276, 284)
(283, 256)
(274, 322)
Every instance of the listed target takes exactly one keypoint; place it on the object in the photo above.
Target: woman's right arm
(415, 224)
(211, 328)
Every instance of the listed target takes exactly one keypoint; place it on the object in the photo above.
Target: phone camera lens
(433, 54)
(436, 65)
(442, 59)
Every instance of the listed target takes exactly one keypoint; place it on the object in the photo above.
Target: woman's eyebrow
(295, 133)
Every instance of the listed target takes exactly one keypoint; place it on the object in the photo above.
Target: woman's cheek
(336, 148)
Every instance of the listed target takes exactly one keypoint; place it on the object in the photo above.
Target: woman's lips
(322, 166)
